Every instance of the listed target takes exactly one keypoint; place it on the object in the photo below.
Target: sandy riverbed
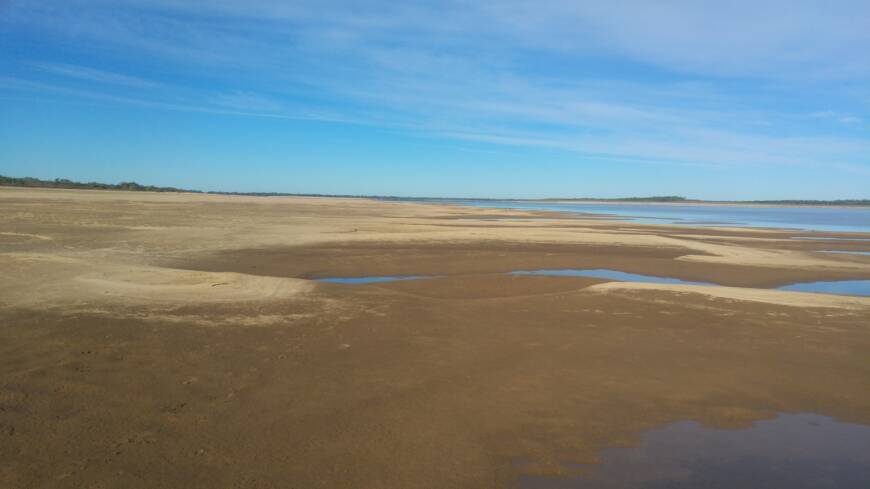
(178, 340)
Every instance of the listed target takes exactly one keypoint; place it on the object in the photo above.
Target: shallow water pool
(793, 451)
(841, 287)
(609, 274)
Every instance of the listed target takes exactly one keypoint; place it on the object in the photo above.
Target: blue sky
(721, 100)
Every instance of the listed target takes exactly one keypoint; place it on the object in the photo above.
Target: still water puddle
(793, 451)
(372, 280)
(841, 287)
(610, 275)
(830, 219)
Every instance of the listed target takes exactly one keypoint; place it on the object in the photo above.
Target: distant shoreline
(740, 203)
(30, 182)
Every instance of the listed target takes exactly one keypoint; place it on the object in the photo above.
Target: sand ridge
(77, 280)
(778, 297)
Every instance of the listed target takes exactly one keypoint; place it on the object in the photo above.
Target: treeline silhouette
(660, 198)
(64, 183)
(810, 202)
(133, 186)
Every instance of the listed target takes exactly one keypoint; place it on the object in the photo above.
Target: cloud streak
(688, 83)
(90, 74)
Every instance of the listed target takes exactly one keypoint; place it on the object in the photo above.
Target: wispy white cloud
(836, 116)
(772, 39)
(12, 84)
(94, 75)
(248, 101)
(550, 74)
(776, 38)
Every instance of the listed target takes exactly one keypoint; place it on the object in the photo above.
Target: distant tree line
(64, 183)
(659, 198)
(811, 202)
(674, 198)
(133, 186)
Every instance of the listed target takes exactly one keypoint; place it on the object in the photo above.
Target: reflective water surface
(842, 287)
(797, 217)
(608, 274)
(821, 238)
(793, 451)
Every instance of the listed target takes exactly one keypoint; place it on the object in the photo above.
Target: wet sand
(179, 340)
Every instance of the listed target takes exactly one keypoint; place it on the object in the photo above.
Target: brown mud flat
(176, 341)
(495, 257)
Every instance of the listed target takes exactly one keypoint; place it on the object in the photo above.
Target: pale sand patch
(778, 297)
(47, 280)
(222, 320)
(153, 227)
(35, 258)
(169, 285)
(741, 255)
(39, 237)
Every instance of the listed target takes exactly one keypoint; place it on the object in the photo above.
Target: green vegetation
(133, 186)
(811, 202)
(662, 198)
(64, 183)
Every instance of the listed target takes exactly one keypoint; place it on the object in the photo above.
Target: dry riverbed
(180, 340)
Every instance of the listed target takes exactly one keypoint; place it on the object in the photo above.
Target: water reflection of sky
(608, 274)
(793, 451)
(841, 287)
(841, 219)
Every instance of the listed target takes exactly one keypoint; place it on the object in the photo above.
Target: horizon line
(67, 184)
